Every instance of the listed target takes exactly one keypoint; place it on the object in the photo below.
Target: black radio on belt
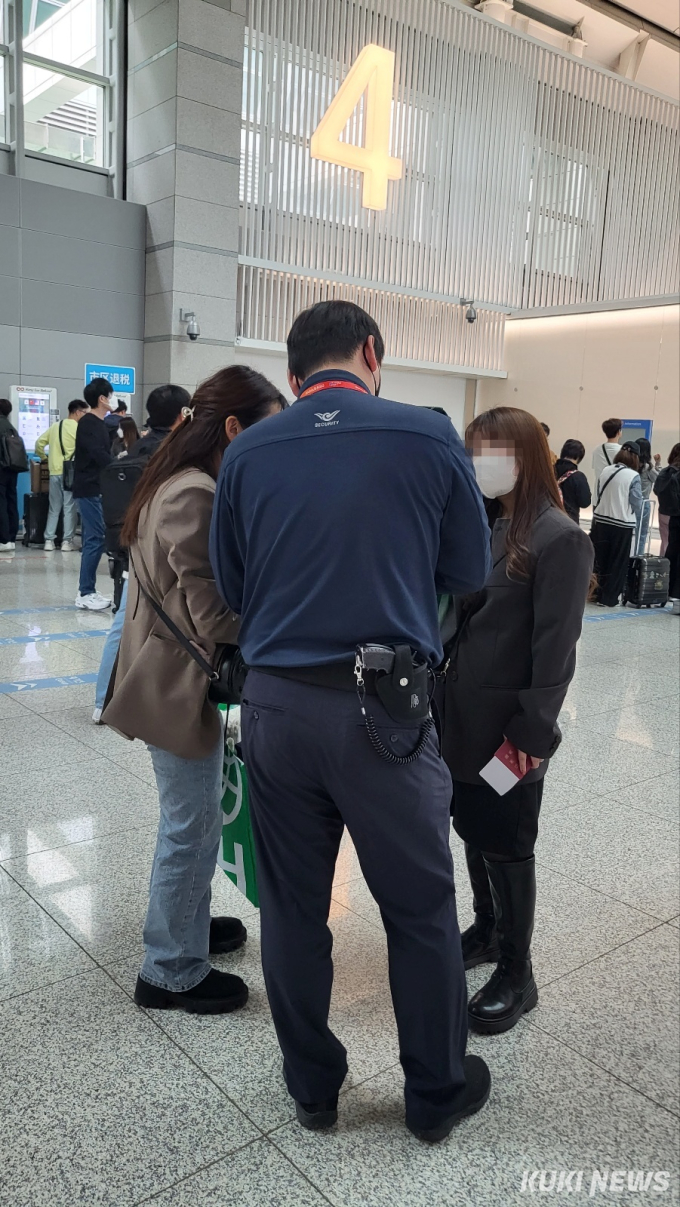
(402, 681)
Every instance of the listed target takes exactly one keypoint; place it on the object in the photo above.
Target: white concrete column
(500, 10)
(185, 73)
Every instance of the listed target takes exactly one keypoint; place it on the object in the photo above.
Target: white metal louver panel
(530, 179)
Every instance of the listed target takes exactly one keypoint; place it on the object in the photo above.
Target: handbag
(69, 468)
(227, 678)
(13, 453)
(236, 855)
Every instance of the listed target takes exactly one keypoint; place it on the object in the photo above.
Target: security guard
(336, 524)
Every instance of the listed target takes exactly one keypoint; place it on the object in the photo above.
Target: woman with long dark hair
(649, 472)
(616, 515)
(160, 693)
(510, 664)
(127, 435)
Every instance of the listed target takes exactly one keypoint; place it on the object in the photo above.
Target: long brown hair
(536, 487)
(130, 435)
(199, 442)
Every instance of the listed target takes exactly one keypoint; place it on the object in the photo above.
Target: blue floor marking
(629, 614)
(77, 636)
(30, 611)
(31, 685)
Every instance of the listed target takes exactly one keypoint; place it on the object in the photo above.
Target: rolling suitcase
(36, 508)
(647, 584)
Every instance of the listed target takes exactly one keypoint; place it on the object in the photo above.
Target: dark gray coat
(514, 656)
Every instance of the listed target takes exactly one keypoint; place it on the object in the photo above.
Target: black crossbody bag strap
(61, 442)
(177, 633)
(611, 477)
(606, 454)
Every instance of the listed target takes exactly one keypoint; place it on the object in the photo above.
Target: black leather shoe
(218, 993)
(480, 943)
(511, 990)
(472, 1098)
(226, 934)
(509, 993)
(316, 1116)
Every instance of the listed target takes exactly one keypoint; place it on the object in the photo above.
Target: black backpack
(13, 453)
(118, 482)
(667, 490)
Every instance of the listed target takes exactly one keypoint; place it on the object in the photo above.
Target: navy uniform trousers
(312, 771)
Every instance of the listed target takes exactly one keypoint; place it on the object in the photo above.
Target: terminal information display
(33, 419)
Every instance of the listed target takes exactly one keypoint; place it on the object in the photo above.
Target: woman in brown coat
(160, 693)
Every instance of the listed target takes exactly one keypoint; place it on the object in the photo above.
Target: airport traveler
(510, 663)
(616, 514)
(60, 442)
(112, 420)
(605, 453)
(93, 452)
(649, 472)
(667, 490)
(9, 510)
(573, 484)
(161, 693)
(553, 455)
(163, 407)
(335, 526)
(127, 435)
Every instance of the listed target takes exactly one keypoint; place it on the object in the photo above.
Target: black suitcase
(648, 580)
(36, 509)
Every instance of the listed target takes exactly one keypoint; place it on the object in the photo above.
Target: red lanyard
(332, 385)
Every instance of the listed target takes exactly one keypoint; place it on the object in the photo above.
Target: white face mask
(496, 473)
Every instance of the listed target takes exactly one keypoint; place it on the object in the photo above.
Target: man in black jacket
(164, 408)
(93, 452)
(572, 482)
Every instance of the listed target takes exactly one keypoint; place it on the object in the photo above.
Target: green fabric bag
(237, 855)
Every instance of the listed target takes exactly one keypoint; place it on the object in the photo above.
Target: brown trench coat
(160, 692)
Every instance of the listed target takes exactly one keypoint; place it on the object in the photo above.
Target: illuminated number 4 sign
(373, 74)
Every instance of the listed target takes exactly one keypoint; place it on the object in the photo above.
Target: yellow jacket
(50, 439)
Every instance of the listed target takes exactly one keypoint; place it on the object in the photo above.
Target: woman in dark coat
(511, 662)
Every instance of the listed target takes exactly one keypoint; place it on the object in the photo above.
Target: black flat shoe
(316, 1116)
(218, 993)
(226, 934)
(473, 1097)
(509, 993)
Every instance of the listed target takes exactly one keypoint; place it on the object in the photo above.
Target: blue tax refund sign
(122, 377)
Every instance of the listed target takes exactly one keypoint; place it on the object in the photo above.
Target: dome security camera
(471, 314)
(193, 328)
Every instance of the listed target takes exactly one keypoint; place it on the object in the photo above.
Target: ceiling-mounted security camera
(193, 329)
(470, 313)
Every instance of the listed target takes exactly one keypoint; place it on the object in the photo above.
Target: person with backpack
(60, 442)
(573, 484)
(13, 461)
(667, 490)
(615, 517)
(605, 453)
(164, 407)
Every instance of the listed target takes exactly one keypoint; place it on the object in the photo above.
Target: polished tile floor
(103, 1104)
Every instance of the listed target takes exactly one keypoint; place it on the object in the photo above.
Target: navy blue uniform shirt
(338, 521)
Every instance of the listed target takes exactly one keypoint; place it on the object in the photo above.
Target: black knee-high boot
(480, 942)
(511, 991)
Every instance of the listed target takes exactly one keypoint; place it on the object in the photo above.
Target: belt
(338, 675)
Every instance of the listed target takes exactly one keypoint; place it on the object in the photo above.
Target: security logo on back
(328, 418)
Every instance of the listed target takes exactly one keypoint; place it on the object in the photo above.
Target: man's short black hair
(164, 405)
(330, 333)
(546, 429)
(94, 390)
(612, 427)
(77, 405)
(573, 450)
(5, 406)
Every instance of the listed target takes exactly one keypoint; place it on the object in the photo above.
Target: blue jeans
(109, 652)
(177, 927)
(94, 540)
(60, 498)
